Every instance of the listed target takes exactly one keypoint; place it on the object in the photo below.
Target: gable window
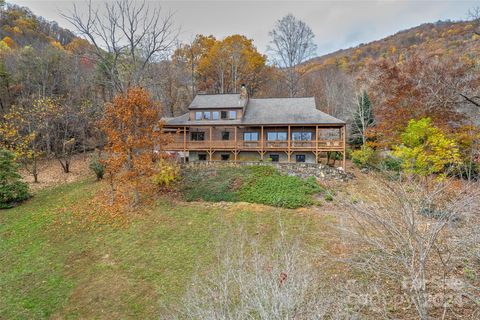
(197, 136)
(206, 115)
(198, 115)
(276, 136)
(232, 115)
(215, 115)
(274, 157)
(301, 136)
(225, 135)
(223, 115)
(300, 158)
(250, 136)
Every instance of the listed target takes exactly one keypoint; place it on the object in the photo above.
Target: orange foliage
(135, 139)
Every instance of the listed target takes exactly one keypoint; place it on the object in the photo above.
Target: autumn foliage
(134, 132)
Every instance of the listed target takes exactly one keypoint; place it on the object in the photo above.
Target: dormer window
(198, 115)
(206, 115)
(232, 115)
(215, 115)
(224, 115)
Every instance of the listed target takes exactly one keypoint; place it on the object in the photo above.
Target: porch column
(316, 144)
(261, 143)
(184, 144)
(288, 139)
(235, 147)
(210, 142)
(344, 136)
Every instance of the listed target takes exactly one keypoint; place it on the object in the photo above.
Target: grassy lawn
(51, 267)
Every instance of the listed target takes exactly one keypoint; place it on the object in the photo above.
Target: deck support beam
(289, 153)
(344, 138)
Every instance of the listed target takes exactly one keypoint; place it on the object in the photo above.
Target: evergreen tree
(363, 119)
(12, 188)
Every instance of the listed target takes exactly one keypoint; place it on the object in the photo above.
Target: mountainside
(439, 38)
(19, 27)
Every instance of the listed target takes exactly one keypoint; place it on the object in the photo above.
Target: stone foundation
(302, 170)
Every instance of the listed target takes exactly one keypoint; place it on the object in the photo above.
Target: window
(202, 157)
(250, 136)
(274, 157)
(232, 115)
(197, 136)
(274, 136)
(225, 135)
(198, 115)
(206, 115)
(300, 158)
(215, 115)
(225, 157)
(223, 115)
(301, 136)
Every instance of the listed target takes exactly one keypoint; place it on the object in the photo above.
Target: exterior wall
(252, 156)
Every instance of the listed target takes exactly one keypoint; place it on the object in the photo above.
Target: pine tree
(12, 188)
(363, 119)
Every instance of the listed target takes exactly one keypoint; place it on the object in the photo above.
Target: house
(232, 127)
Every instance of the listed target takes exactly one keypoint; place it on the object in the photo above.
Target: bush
(97, 167)
(12, 189)
(167, 173)
(391, 164)
(365, 157)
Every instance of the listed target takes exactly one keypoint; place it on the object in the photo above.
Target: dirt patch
(51, 172)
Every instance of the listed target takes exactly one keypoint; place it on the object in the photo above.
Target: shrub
(391, 163)
(167, 173)
(12, 189)
(97, 167)
(364, 157)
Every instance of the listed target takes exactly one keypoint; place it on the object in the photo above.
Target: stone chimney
(243, 95)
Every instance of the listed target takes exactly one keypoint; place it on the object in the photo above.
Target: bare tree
(248, 283)
(291, 44)
(127, 36)
(411, 236)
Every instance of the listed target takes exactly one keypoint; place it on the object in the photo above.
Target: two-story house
(232, 127)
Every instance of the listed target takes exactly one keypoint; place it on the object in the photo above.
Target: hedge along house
(232, 127)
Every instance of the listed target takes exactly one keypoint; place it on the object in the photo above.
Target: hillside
(20, 27)
(442, 37)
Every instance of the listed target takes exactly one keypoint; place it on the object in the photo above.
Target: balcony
(230, 145)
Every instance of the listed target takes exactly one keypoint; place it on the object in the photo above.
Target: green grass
(51, 266)
(255, 184)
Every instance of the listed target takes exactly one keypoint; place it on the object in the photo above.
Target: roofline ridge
(262, 98)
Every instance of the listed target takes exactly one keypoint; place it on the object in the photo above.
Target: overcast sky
(336, 24)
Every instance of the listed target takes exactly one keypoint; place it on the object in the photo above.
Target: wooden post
(288, 139)
(184, 144)
(261, 140)
(210, 138)
(235, 150)
(344, 135)
(316, 144)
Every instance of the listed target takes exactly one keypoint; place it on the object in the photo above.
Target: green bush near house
(364, 157)
(255, 184)
(12, 189)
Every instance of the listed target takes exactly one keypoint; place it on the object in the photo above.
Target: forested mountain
(440, 38)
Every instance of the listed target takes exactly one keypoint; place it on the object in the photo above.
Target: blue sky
(336, 24)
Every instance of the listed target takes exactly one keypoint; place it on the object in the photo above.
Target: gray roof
(286, 110)
(270, 111)
(217, 101)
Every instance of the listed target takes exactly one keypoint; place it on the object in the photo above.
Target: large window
(301, 136)
(225, 135)
(250, 136)
(198, 115)
(224, 115)
(206, 115)
(276, 136)
(197, 136)
(232, 115)
(215, 115)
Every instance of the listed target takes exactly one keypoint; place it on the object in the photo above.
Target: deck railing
(179, 144)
